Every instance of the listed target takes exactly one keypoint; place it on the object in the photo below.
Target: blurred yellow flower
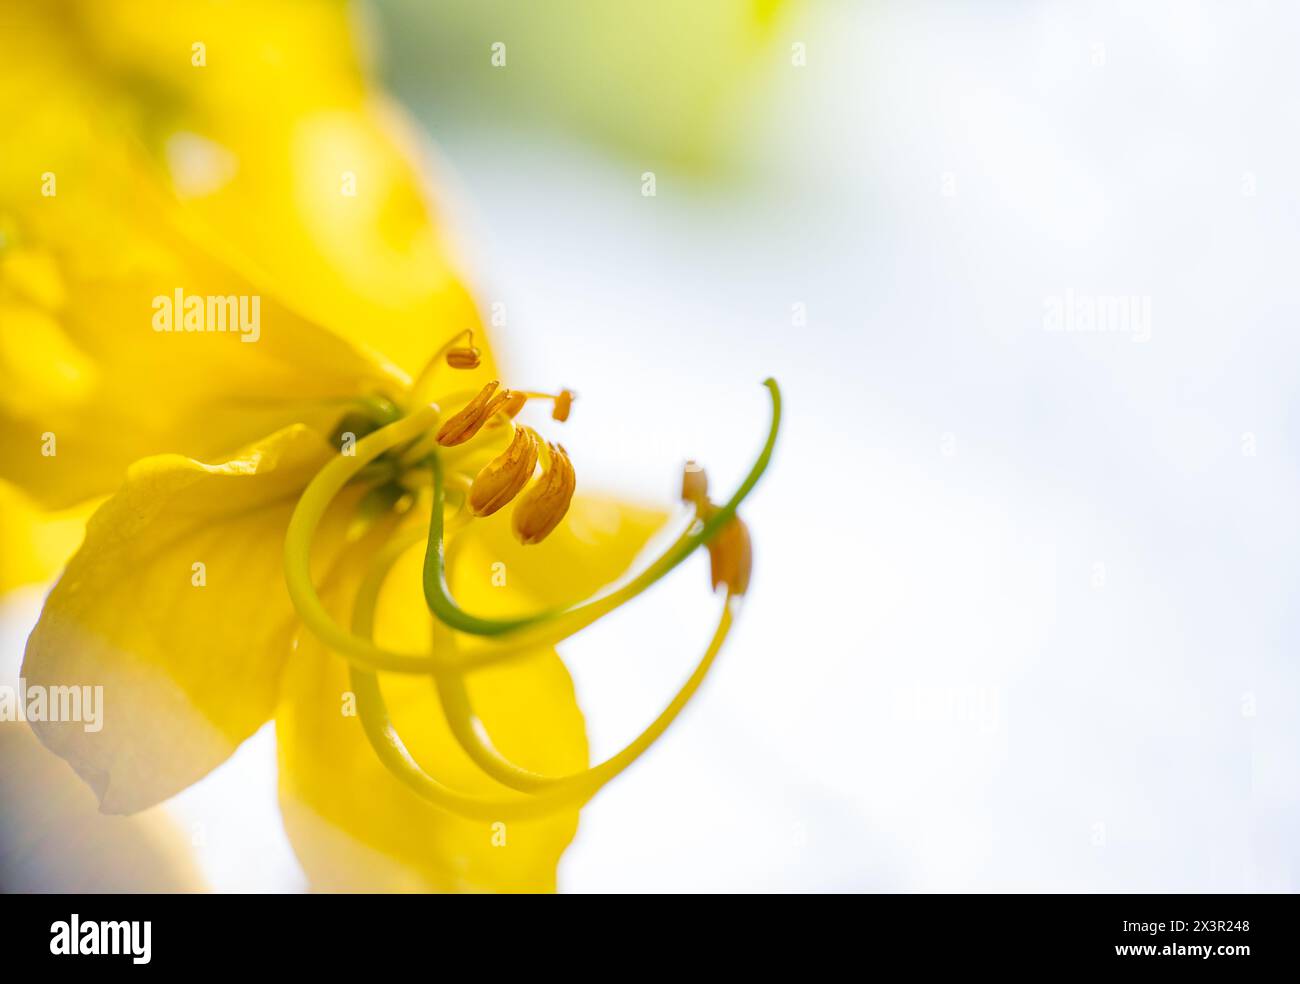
(182, 180)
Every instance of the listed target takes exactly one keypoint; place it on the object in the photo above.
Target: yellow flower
(257, 561)
(34, 543)
(127, 170)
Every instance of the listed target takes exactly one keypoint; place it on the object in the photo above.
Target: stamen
(464, 357)
(509, 410)
(549, 793)
(549, 627)
(695, 485)
(731, 557)
(472, 736)
(563, 403)
(513, 405)
(544, 505)
(307, 515)
(387, 744)
(422, 388)
(470, 420)
(505, 475)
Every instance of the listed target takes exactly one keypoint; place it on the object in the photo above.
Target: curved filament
(548, 793)
(438, 594)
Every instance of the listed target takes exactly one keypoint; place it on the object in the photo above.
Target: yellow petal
(53, 839)
(371, 266)
(492, 574)
(357, 828)
(88, 384)
(176, 605)
(106, 119)
(282, 145)
(34, 544)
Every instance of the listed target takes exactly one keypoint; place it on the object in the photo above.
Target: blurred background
(1020, 616)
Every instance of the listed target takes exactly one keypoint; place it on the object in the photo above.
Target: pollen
(544, 505)
(464, 357)
(471, 418)
(505, 475)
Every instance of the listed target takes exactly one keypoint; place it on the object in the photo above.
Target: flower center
(482, 470)
(395, 446)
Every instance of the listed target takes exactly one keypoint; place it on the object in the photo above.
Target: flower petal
(371, 267)
(491, 574)
(34, 544)
(357, 828)
(176, 605)
(97, 151)
(87, 382)
(53, 839)
(282, 145)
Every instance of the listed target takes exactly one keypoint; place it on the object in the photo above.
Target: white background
(934, 685)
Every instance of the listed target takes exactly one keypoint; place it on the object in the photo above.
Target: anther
(695, 485)
(513, 405)
(731, 557)
(464, 357)
(563, 404)
(465, 424)
(543, 506)
(505, 475)
(509, 410)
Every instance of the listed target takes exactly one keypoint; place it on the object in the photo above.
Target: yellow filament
(327, 484)
(550, 793)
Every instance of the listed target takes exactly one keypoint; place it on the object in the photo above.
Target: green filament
(548, 794)
(438, 595)
(524, 634)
